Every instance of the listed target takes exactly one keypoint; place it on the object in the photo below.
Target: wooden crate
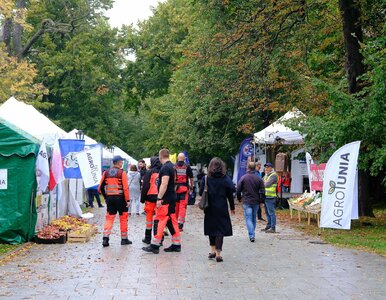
(79, 237)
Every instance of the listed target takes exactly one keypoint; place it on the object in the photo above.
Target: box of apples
(51, 235)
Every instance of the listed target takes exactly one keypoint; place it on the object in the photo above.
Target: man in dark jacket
(251, 189)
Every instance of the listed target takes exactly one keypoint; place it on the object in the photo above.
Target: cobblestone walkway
(277, 266)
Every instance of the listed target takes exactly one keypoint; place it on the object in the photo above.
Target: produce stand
(66, 229)
(308, 203)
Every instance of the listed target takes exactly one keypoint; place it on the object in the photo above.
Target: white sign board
(3, 179)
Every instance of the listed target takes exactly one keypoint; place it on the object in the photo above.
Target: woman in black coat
(217, 222)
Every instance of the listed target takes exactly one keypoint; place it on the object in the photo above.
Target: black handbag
(204, 198)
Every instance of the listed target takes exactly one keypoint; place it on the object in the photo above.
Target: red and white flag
(56, 166)
(42, 168)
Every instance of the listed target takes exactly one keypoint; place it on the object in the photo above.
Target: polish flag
(56, 171)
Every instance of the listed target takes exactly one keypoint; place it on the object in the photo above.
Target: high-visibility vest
(270, 191)
(113, 180)
(181, 175)
(153, 190)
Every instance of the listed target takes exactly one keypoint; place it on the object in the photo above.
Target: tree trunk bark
(352, 33)
(7, 35)
(18, 29)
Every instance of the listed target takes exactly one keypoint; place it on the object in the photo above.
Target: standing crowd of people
(164, 190)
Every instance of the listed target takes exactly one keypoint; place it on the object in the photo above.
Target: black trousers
(91, 194)
(216, 241)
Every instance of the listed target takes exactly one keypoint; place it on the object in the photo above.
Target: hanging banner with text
(340, 189)
(317, 175)
(69, 149)
(245, 151)
(90, 164)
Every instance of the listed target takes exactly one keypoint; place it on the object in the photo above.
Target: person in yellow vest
(270, 183)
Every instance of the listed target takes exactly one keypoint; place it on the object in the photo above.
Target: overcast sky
(130, 11)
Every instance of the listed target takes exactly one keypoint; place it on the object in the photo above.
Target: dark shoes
(270, 230)
(100, 206)
(261, 219)
(137, 214)
(146, 241)
(181, 226)
(151, 249)
(265, 229)
(212, 255)
(105, 242)
(219, 259)
(173, 248)
(126, 242)
(252, 239)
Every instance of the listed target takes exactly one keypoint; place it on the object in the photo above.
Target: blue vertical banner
(246, 150)
(186, 157)
(68, 150)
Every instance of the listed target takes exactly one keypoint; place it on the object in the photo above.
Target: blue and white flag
(246, 151)
(187, 161)
(69, 149)
(340, 188)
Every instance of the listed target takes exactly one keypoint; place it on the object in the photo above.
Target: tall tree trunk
(7, 35)
(352, 33)
(18, 29)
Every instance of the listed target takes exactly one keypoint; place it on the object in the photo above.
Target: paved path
(278, 266)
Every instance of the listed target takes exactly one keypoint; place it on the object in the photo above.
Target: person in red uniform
(165, 212)
(184, 185)
(115, 190)
(149, 195)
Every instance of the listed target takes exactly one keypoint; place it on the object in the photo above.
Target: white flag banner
(340, 188)
(90, 164)
(309, 161)
(42, 168)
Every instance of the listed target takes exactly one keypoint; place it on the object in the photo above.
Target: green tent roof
(14, 141)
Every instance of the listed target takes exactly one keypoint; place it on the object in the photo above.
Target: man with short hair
(115, 190)
(270, 182)
(165, 211)
(184, 184)
(250, 188)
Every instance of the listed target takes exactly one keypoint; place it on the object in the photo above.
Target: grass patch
(366, 233)
(5, 248)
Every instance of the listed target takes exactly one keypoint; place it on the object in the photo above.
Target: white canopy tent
(278, 131)
(29, 119)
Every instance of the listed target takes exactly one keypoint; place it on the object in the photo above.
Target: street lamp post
(79, 134)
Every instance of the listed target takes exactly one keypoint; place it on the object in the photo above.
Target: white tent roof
(119, 151)
(90, 141)
(27, 118)
(277, 130)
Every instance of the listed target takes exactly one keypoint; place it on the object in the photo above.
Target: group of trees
(207, 72)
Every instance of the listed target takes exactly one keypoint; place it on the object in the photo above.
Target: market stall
(18, 152)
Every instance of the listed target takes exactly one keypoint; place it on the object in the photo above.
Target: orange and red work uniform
(165, 214)
(115, 190)
(184, 174)
(149, 194)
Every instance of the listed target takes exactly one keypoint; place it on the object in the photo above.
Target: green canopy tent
(18, 152)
